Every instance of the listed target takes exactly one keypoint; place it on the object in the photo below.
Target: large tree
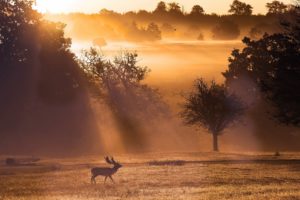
(272, 62)
(211, 106)
(119, 82)
(42, 90)
(240, 8)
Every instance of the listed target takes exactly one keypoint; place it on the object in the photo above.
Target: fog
(47, 114)
(174, 66)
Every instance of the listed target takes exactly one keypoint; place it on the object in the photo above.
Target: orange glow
(94, 6)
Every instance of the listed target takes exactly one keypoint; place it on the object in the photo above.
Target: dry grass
(69, 179)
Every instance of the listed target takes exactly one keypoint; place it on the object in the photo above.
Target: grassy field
(158, 176)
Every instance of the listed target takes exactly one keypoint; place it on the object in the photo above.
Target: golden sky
(93, 6)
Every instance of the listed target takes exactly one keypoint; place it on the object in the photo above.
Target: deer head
(112, 162)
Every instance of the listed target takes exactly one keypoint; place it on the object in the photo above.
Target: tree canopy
(197, 10)
(272, 62)
(240, 8)
(119, 84)
(276, 7)
(38, 72)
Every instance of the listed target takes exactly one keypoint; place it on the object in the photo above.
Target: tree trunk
(215, 142)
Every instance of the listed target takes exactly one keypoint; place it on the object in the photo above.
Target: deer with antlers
(105, 171)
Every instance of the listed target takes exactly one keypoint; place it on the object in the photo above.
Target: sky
(94, 6)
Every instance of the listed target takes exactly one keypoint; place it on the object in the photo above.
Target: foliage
(212, 107)
(119, 82)
(197, 10)
(239, 8)
(17, 21)
(276, 7)
(273, 63)
(161, 8)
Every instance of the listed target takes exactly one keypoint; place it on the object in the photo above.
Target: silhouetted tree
(120, 84)
(226, 30)
(17, 20)
(211, 106)
(197, 10)
(273, 64)
(161, 8)
(174, 9)
(240, 8)
(276, 7)
(38, 72)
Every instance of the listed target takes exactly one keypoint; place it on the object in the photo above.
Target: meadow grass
(69, 179)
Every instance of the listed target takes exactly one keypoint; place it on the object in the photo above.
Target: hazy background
(176, 55)
(94, 6)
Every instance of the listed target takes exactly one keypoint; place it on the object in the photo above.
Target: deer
(105, 171)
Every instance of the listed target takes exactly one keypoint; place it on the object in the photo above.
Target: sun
(53, 6)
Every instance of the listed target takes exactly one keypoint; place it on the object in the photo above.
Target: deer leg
(93, 180)
(105, 179)
(111, 179)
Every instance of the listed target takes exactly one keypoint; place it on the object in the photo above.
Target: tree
(211, 106)
(226, 30)
(272, 62)
(119, 84)
(16, 19)
(240, 8)
(197, 10)
(276, 7)
(38, 73)
(161, 8)
(174, 8)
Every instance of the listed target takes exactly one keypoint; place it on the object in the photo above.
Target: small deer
(105, 171)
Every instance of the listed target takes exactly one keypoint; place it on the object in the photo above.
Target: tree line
(170, 20)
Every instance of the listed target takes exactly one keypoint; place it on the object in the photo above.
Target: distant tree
(240, 8)
(226, 30)
(197, 10)
(161, 8)
(276, 7)
(143, 14)
(211, 106)
(174, 8)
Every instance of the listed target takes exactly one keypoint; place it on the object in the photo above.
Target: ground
(158, 176)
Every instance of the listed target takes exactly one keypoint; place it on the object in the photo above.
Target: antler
(107, 160)
(113, 161)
